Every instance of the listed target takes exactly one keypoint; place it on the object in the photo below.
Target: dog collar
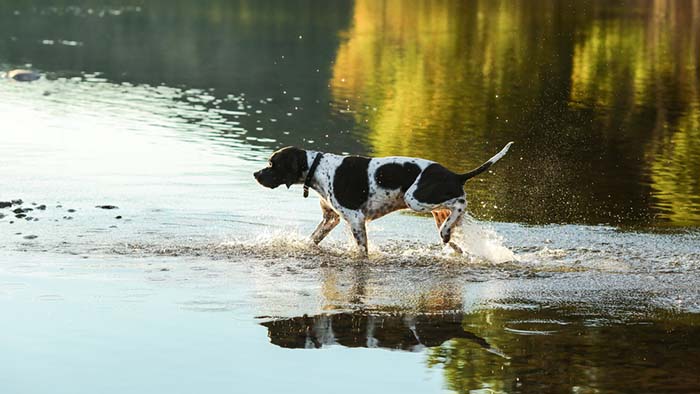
(310, 174)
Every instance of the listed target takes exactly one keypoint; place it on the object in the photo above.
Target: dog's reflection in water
(358, 329)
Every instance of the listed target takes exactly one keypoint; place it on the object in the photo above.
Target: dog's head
(286, 166)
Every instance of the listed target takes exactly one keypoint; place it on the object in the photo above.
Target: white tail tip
(502, 153)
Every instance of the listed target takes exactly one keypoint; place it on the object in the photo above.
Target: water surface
(583, 255)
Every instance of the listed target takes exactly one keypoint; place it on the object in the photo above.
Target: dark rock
(2, 215)
(18, 210)
(71, 210)
(118, 217)
(17, 202)
(28, 209)
(107, 206)
(12, 221)
(68, 217)
(23, 75)
(5, 204)
(20, 215)
(29, 218)
(31, 237)
(59, 206)
(164, 269)
(41, 207)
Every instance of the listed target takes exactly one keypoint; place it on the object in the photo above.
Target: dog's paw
(360, 255)
(446, 236)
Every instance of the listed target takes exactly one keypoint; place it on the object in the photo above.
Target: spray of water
(480, 241)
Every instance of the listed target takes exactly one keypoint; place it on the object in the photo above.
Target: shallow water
(583, 256)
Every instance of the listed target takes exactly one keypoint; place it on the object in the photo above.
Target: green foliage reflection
(599, 96)
(565, 350)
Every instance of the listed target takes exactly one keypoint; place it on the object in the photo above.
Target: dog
(360, 189)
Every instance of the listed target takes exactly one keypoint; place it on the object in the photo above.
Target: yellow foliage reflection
(645, 66)
(404, 65)
(530, 357)
(430, 79)
(602, 98)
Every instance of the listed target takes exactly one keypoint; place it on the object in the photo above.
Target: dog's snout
(256, 174)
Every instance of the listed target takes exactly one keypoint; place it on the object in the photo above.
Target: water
(583, 251)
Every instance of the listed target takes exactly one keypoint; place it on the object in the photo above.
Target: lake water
(583, 258)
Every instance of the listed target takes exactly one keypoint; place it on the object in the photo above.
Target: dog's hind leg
(440, 215)
(457, 206)
(330, 220)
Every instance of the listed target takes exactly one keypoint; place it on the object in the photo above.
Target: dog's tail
(471, 174)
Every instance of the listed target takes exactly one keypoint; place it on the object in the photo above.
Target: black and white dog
(360, 189)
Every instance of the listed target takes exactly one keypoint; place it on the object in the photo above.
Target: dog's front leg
(359, 231)
(330, 220)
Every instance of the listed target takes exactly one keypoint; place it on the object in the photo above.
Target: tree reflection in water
(602, 99)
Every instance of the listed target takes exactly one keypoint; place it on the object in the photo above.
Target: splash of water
(480, 241)
(481, 246)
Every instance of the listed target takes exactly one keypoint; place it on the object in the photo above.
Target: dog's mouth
(268, 185)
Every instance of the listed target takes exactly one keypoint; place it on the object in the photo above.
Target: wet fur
(359, 189)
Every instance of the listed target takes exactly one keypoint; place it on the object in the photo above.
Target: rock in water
(5, 204)
(106, 206)
(23, 75)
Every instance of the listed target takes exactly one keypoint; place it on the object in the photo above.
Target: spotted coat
(360, 189)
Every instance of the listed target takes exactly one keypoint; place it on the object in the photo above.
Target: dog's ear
(295, 165)
(292, 174)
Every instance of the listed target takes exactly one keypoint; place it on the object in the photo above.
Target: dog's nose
(256, 174)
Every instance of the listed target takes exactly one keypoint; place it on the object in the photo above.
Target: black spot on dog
(461, 201)
(396, 176)
(437, 184)
(351, 182)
